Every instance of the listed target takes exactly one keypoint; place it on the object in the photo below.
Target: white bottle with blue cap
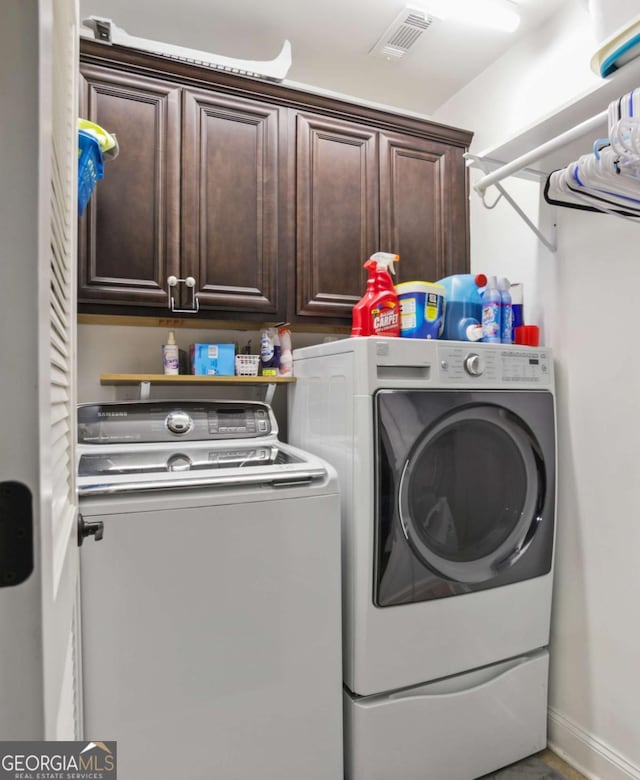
(506, 311)
(491, 312)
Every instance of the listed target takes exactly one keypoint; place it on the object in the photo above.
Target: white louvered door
(57, 358)
(39, 656)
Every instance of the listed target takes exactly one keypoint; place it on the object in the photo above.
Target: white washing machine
(211, 607)
(446, 457)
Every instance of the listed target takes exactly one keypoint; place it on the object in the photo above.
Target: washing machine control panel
(179, 422)
(469, 364)
(165, 421)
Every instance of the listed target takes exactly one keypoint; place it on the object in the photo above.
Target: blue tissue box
(212, 359)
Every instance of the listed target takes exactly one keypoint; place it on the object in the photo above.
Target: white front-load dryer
(446, 458)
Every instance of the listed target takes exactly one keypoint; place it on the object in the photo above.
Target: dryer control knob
(473, 364)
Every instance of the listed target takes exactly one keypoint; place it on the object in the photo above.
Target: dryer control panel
(468, 364)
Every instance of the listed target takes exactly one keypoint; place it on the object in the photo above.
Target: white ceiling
(330, 40)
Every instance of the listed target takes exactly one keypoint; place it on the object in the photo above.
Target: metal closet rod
(539, 152)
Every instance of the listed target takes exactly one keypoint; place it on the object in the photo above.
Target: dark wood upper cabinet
(360, 190)
(423, 206)
(336, 213)
(129, 235)
(271, 198)
(230, 181)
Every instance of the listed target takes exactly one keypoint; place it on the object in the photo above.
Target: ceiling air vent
(402, 33)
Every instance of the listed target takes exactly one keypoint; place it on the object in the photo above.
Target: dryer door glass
(460, 498)
(468, 493)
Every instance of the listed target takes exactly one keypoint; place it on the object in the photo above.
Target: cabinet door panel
(129, 233)
(337, 214)
(230, 201)
(423, 207)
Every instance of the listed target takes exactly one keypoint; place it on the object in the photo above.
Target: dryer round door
(470, 493)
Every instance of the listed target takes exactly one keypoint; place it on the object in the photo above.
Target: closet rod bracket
(550, 242)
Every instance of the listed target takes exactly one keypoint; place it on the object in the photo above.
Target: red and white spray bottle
(377, 313)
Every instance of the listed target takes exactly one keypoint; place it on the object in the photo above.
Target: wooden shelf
(189, 379)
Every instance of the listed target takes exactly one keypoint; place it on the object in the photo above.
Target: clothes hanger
(608, 180)
(565, 187)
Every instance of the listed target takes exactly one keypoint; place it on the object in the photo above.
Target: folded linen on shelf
(616, 26)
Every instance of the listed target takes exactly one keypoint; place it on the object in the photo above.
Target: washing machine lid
(131, 447)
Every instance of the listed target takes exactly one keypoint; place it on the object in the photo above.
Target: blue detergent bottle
(491, 312)
(506, 311)
(463, 307)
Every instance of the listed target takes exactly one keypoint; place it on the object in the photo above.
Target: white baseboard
(586, 753)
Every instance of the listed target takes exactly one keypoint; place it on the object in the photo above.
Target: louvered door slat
(59, 432)
(58, 343)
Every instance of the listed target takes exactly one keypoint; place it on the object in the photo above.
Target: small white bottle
(170, 356)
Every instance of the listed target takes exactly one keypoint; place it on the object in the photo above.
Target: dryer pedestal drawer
(458, 728)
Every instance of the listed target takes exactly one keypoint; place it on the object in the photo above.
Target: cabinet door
(423, 207)
(336, 214)
(230, 183)
(129, 233)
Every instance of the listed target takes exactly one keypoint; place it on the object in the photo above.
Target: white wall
(583, 296)
(501, 245)
(595, 688)
(543, 71)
